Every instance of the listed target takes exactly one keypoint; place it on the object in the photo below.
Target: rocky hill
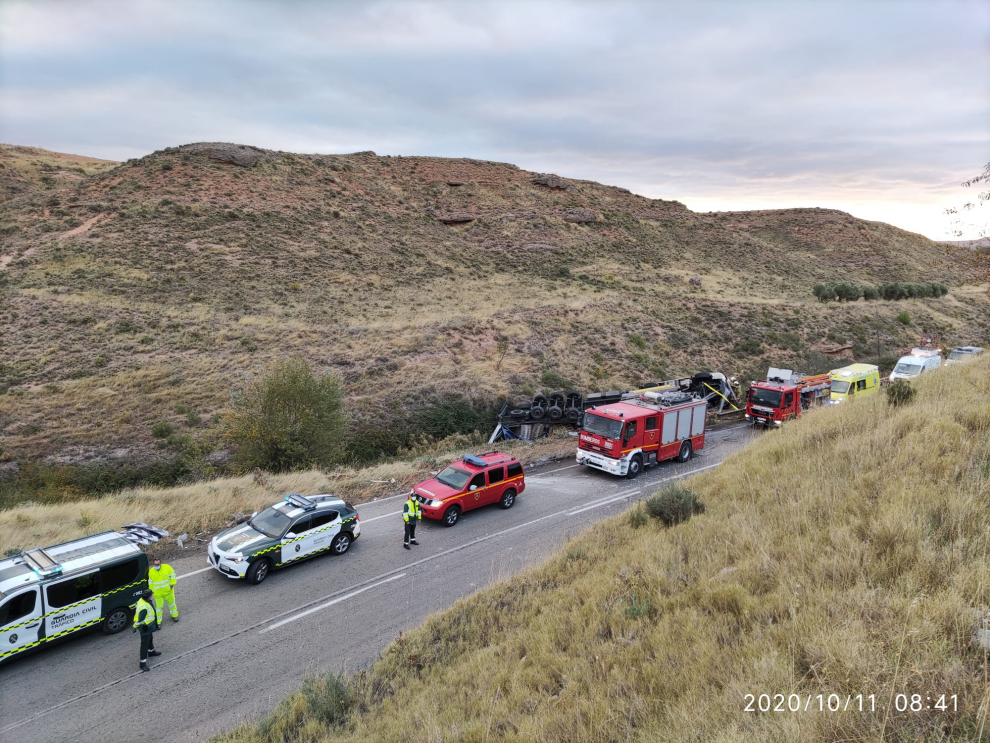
(146, 291)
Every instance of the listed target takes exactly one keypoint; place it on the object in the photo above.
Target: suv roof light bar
(300, 501)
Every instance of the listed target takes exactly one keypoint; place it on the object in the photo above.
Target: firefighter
(411, 513)
(146, 622)
(161, 580)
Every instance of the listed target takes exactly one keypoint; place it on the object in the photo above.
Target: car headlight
(436, 503)
(237, 558)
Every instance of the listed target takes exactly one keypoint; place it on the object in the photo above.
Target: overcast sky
(877, 107)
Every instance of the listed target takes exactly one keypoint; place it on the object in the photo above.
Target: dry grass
(208, 505)
(842, 555)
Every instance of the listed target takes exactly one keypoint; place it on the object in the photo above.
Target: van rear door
(20, 621)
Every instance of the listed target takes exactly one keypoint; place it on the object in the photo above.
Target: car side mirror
(473, 488)
(254, 514)
(290, 535)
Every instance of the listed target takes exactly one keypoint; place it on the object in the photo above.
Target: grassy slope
(840, 555)
(166, 280)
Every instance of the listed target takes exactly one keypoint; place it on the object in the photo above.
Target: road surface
(240, 648)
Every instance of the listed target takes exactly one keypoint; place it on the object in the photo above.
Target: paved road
(240, 648)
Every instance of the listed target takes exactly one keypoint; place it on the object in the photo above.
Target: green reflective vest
(162, 579)
(148, 617)
(411, 509)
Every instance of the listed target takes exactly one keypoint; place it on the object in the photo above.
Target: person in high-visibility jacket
(411, 513)
(161, 580)
(146, 623)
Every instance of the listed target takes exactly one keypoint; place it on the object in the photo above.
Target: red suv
(471, 482)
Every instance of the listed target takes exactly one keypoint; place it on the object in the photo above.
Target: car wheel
(258, 571)
(685, 453)
(508, 498)
(116, 621)
(341, 543)
(451, 516)
(635, 467)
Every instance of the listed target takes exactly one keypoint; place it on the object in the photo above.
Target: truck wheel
(537, 413)
(340, 543)
(573, 414)
(540, 401)
(557, 398)
(508, 498)
(258, 571)
(685, 453)
(451, 516)
(556, 413)
(635, 467)
(518, 413)
(116, 621)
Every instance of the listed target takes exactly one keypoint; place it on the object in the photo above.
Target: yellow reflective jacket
(162, 579)
(411, 509)
(144, 616)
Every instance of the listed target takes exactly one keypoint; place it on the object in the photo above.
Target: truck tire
(635, 467)
(555, 412)
(537, 413)
(116, 621)
(557, 398)
(258, 571)
(508, 498)
(540, 401)
(573, 414)
(685, 453)
(518, 413)
(451, 516)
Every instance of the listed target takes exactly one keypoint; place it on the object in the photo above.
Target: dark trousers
(410, 530)
(147, 643)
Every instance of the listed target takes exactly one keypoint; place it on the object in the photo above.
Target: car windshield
(454, 478)
(271, 522)
(601, 426)
(840, 387)
(911, 370)
(769, 398)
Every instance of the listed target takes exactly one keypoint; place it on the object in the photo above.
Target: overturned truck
(536, 419)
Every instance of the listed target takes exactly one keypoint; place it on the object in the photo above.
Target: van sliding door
(73, 603)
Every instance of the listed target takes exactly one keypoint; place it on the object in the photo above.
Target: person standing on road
(411, 513)
(161, 580)
(146, 622)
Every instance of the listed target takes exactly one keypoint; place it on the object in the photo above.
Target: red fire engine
(623, 437)
(785, 395)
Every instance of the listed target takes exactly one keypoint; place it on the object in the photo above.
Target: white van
(918, 361)
(963, 353)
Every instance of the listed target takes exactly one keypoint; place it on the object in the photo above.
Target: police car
(287, 532)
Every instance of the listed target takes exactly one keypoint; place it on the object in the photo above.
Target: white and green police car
(285, 533)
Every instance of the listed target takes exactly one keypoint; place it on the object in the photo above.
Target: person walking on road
(161, 580)
(146, 623)
(411, 513)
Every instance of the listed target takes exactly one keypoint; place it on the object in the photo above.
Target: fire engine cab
(623, 437)
(785, 395)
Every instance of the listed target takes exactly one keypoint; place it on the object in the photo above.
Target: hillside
(845, 554)
(140, 292)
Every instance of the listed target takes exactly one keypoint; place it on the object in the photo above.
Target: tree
(288, 418)
(824, 292)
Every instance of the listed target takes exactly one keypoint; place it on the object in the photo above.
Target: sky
(880, 108)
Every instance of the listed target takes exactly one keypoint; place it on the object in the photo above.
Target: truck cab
(855, 380)
(785, 396)
(624, 437)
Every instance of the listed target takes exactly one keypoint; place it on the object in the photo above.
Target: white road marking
(337, 600)
(383, 516)
(613, 499)
(194, 572)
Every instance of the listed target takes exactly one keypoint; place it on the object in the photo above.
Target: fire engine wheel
(635, 467)
(685, 453)
(451, 516)
(116, 621)
(258, 571)
(556, 413)
(340, 544)
(508, 498)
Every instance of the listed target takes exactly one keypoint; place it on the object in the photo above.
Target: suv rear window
(495, 475)
(515, 470)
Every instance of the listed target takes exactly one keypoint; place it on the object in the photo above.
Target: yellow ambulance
(854, 381)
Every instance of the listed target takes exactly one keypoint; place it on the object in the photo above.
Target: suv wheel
(685, 453)
(635, 467)
(508, 498)
(341, 543)
(116, 621)
(451, 516)
(258, 571)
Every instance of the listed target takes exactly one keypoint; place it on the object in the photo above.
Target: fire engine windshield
(453, 478)
(601, 426)
(840, 386)
(768, 398)
(911, 370)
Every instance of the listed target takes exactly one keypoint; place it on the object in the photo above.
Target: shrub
(553, 380)
(673, 505)
(637, 517)
(288, 418)
(162, 430)
(824, 292)
(326, 699)
(900, 393)
(637, 340)
(749, 346)
(870, 293)
(637, 609)
(193, 418)
(903, 318)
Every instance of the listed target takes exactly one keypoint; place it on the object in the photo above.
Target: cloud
(716, 102)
